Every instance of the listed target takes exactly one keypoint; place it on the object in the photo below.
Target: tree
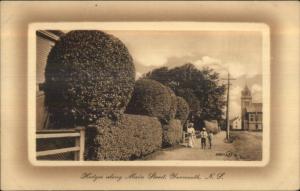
(200, 88)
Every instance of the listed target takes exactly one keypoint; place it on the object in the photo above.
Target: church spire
(246, 101)
(246, 91)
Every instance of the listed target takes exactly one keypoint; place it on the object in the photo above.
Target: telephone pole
(227, 107)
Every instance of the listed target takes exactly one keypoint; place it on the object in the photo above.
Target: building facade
(45, 40)
(251, 112)
(236, 123)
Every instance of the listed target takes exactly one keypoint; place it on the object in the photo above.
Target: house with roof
(251, 112)
(236, 123)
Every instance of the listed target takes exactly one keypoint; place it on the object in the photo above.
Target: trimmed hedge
(153, 99)
(131, 137)
(172, 133)
(183, 110)
(173, 108)
(211, 126)
(89, 74)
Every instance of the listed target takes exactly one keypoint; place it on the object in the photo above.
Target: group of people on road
(205, 136)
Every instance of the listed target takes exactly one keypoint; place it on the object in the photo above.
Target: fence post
(80, 142)
(77, 144)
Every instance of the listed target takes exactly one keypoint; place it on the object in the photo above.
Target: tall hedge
(153, 99)
(173, 108)
(89, 74)
(183, 110)
(211, 126)
(131, 137)
(172, 133)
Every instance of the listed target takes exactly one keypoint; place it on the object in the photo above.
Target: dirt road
(217, 152)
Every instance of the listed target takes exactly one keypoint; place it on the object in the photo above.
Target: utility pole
(227, 107)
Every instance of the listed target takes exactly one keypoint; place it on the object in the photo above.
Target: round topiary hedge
(151, 98)
(183, 110)
(89, 74)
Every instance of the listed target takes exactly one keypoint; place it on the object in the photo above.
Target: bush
(89, 74)
(172, 133)
(131, 137)
(173, 108)
(151, 98)
(211, 126)
(183, 110)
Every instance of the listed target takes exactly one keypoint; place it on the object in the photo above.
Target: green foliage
(130, 137)
(211, 126)
(183, 110)
(189, 96)
(153, 99)
(173, 108)
(172, 133)
(89, 74)
(200, 88)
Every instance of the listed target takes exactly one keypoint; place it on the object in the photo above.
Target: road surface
(217, 152)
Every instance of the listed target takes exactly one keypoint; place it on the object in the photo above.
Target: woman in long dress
(191, 135)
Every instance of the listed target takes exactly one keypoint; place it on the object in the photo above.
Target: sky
(238, 52)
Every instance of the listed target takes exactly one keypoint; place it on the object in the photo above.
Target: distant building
(251, 112)
(236, 123)
(45, 40)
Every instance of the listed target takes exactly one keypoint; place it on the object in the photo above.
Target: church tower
(246, 101)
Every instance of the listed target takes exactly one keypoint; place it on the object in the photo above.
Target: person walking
(210, 137)
(203, 136)
(191, 135)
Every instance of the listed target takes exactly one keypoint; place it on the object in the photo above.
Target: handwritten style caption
(152, 176)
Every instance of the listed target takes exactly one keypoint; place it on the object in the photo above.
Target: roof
(233, 119)
(57, 32)
(254, 107)
(50, 34)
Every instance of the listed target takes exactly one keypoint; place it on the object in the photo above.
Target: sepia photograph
(150, 95)
(159, 95)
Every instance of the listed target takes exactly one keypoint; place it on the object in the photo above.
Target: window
(258, 117)
(251, 117)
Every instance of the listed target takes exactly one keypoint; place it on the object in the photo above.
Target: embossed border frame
(282, 171)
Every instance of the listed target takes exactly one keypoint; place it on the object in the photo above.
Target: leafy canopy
(200, 88)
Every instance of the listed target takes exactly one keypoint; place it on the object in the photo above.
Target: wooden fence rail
(78, 133)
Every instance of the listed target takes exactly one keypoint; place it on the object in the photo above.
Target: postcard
(149, 93)
(155, 95)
